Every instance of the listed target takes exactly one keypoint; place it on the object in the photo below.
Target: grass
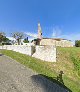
(68, 60)
(33, 63)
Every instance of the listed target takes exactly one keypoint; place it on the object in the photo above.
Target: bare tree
(18, 36)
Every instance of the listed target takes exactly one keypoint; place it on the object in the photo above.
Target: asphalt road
(15, 77)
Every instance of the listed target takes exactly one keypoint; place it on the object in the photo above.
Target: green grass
(68, 60)
(33, 63)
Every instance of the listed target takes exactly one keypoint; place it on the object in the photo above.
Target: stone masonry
(45, 53)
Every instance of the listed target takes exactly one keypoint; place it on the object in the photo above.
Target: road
(15, 77)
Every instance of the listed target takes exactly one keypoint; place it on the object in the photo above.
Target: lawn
(68, 60)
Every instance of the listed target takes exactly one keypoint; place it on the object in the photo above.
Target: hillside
(68, 61)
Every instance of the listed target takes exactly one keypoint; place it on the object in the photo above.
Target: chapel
(59, 42)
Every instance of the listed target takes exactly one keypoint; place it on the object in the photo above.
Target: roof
(58, 39)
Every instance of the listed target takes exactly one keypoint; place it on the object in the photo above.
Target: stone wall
(46, 53)
(29, 50)
(61, 42)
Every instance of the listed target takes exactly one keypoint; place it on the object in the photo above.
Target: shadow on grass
(49, 84)
(1, 54)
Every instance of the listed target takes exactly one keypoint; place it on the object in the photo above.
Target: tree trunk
(18, 41)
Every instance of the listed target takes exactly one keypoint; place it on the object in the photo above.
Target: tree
(5, 39)
(2, 36)
(18, 36)
(77, 43)
(26, 40)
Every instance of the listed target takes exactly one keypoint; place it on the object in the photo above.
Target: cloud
(11, 38)
(30, 39)
(72, 37)
(33, 35)
(56, 31)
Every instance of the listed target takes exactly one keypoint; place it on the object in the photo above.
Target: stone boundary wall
(45, 53)
(29, 50)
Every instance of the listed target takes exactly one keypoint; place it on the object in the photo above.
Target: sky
(58, 18)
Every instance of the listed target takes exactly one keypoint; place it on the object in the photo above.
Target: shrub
(77, 43)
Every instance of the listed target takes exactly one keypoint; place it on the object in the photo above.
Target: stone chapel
(59, 42)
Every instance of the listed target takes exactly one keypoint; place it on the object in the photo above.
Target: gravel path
(14, 77)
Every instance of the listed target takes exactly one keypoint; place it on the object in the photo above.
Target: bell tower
(39, 31)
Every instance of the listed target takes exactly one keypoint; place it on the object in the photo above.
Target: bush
(26, 40)
(77, 43)
(6, 43)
